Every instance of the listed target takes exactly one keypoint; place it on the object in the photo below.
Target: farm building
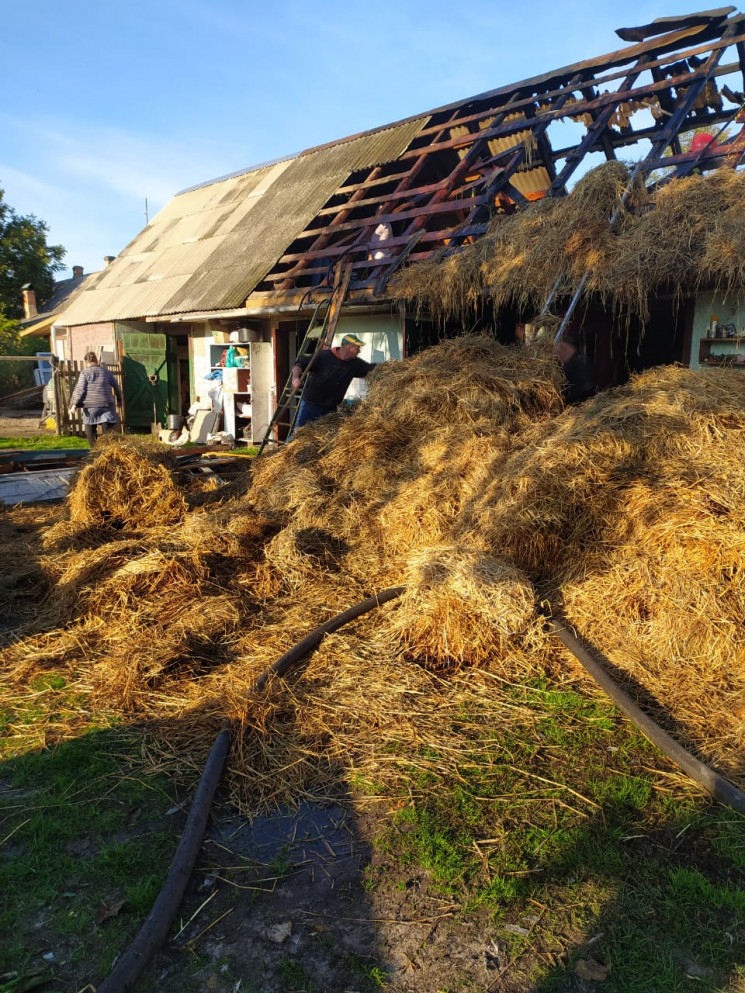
(397, 222)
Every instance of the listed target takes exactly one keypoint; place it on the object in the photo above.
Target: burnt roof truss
(495, 152)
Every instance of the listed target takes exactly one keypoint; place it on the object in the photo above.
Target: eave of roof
(40, 327)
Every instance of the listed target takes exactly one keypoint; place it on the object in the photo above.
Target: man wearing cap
(332, 371)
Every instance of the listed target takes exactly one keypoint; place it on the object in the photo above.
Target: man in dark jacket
(332, 371)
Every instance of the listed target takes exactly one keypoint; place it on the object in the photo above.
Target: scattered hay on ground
(462, 477)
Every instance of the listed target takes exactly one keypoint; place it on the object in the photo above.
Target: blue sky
(106, 104)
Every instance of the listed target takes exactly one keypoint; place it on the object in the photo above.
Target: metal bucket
(174, 422)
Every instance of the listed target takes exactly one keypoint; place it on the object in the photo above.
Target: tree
(25, 257)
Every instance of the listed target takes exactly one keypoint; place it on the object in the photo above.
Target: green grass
(295, 977)
(556, 829)
(43, 442)
(560, 821)
(83, 831)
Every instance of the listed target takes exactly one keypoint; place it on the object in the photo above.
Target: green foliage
(25, 257)
(17, 375)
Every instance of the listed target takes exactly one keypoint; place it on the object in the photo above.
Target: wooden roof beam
(334, 225)
(596, 129)
(652, 89)
(598, 81)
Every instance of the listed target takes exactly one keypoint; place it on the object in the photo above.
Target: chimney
(29, 301)
(108, 259)
(77, 271)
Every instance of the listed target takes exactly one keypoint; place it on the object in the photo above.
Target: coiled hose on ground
(135, 960)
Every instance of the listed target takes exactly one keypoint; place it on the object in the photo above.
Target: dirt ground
(306, 901)
(20, 423)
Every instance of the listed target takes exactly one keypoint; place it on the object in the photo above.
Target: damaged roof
(211, 245)
(430, 184)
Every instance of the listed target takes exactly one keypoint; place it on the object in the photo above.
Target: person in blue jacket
(97, 392)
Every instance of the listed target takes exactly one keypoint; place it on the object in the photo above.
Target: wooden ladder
(317, 337)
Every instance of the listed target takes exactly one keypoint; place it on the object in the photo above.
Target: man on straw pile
(94, 392)
(577, 369)
(329, 378)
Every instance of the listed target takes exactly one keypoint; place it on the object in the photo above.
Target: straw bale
(461, 607)
(129, 483)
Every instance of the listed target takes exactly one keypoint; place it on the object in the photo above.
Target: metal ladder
(317, 337)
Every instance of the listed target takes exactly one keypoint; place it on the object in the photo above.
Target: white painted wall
(383, 336)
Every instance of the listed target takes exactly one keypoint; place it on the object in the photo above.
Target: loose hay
(460, 476)
(462, 607)
(130, 482)
(685, 236)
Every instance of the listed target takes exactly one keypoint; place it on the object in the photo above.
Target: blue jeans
(308, 412)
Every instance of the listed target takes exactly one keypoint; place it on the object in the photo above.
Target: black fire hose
(152, 934)
(711, 781)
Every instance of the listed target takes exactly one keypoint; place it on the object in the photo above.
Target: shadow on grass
(589, 870)
(594, 866)
(88, 838)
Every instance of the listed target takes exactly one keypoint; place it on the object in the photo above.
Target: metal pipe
(711, 781)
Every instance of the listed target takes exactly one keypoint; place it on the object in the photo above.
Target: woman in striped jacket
(95, 391)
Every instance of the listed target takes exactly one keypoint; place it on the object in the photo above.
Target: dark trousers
(90, 431)
(308, 412)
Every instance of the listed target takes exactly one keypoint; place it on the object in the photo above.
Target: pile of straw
(682, 236)
(130, 480)
(462, 477)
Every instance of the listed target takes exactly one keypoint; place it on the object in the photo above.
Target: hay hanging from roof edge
(682, 237)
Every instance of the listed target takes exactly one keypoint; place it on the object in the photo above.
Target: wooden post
(56, 374)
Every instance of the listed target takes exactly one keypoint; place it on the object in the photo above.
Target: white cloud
(89, 184)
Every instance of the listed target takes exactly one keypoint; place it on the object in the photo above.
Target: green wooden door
(144, 355)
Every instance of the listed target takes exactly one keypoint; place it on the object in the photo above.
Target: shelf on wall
(726, 360)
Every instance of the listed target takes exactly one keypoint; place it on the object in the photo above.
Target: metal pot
(174, 422)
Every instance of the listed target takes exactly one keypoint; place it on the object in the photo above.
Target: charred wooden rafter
(494, 151)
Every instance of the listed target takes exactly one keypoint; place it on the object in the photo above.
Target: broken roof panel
(432, 183)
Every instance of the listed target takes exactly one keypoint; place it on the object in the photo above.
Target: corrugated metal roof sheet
(528, 181)
(209, 247)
